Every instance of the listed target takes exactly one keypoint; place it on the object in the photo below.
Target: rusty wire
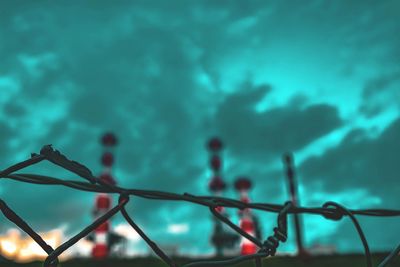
(268, 247)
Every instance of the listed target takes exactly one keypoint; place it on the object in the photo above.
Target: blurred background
(320, 79)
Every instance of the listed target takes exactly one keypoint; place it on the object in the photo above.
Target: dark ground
(321, 261)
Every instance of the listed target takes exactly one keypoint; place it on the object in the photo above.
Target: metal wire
(330, 210)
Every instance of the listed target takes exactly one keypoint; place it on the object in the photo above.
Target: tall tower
(103, 200)
(216, 186)
(247, 223)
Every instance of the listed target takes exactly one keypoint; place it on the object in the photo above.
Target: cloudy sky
(318, 78)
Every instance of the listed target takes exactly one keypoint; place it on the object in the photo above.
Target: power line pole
(290, 174)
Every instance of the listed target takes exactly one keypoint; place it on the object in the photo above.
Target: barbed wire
(330, 210)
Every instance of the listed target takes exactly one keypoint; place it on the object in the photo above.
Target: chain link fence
(268, 247)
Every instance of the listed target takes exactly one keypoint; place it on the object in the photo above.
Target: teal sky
(319, 78)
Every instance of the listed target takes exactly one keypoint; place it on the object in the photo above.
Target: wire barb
(59, 159)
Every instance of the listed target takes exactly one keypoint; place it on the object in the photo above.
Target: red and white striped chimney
(246, 223)
(216, 185)
(103, 201)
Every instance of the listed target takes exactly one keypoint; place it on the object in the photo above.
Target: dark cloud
(380, 93)
(15, 110)
(6, 133)
(359, 161)
(274, 131)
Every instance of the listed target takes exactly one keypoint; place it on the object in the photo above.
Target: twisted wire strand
(330, 210)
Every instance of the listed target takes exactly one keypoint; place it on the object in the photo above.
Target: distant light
(35, 249)
(8, 248)
(178, 228)
(23, 249)
(127, 231)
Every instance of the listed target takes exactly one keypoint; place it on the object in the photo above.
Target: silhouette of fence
(330, 210)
